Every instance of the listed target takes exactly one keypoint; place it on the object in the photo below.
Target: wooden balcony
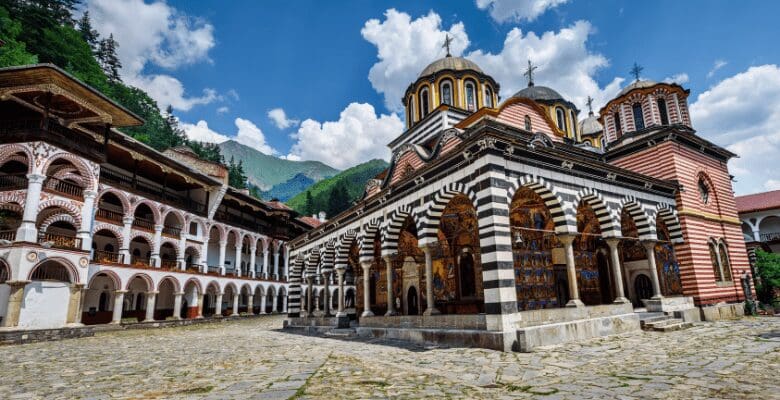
(142, 262)
(13, 182)
(60, 241)
(8, 235)
(143, 224)
(171, 231)
(171, 265)
(105, 257)
(109, 216)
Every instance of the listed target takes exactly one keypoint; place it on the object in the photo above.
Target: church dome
(539, 93)
(590, 125)
(452, 64)
(641, 84)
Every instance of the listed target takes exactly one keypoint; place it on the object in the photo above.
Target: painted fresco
(532, 254)
(585, 259)
(666, 262)
(630, 248)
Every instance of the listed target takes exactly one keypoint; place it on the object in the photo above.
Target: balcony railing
(171, 231)
(8, 235)
(193, 268)
(152, 192)
(770, 236)
(103, 257)
(60, 241)
(36, 129)
(13, 182)
(212, 269)
(143, 224)
(169, 264)
(107, 215)
(69, 189)
(140, 261)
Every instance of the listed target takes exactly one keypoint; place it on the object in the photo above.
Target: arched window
(194, 228)
(573, 121)
(471, 96)
(639, 119)
(603, 142)
(424, 103)
(715, 261)
(445, 89)
(725, 262)
(561, 117)
(412, 113)
(663, 112)
(488, 97)
(108, 248)
(528, 126)
(704, 191)
(618, 128)
(721, 264)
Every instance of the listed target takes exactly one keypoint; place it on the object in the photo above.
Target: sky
(322, 80)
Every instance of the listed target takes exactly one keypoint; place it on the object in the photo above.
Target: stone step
(342, 333)
(666, 324)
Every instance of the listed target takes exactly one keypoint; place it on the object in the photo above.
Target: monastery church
(512, 223)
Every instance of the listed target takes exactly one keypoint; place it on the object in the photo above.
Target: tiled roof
(758, 201)
(313, 222)
(278, 205)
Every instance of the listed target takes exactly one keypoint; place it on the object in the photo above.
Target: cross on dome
(636, 70)
(530, 72)
(590, 105)
(446, 45)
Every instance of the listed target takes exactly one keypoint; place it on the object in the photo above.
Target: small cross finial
(446, 45)
(590, 105)
(636, 70)
(530, 73)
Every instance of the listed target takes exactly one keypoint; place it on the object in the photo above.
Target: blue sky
(333, 71)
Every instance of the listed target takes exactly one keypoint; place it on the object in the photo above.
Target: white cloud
(223, 110)
(772, 184)
(404, 48)
(678, 78)
(155, 34)
(715, 67)
(742, 112)
(518, 10)
(565, 64)
(247, 134)
(358, 136)
(280, 120)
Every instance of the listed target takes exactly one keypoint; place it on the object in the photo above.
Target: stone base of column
(575, 303)
(74, 325)
(342, 321)
(367, 313)
(431, 311)
(216, 316)
(657, 297)
(234, 315)
(622, 300)
(391, 313)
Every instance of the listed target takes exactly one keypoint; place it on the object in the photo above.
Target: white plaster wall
(5, 291)
(45, 305)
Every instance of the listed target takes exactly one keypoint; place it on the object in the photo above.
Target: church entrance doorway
(643, 289)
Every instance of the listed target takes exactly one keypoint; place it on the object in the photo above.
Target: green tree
(108, 58)
(206, 151)
(338, 200)
(768, 271)
(236, 175)
(13, 52)
(89, 35)
(308, 206)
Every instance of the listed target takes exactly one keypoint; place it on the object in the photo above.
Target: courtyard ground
(252, 359)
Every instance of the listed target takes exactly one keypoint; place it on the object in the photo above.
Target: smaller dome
(637, 85)
(590, 125)
(450, 63)
(539, 93)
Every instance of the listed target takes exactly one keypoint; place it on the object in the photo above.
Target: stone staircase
(342, 333)
(660, 322)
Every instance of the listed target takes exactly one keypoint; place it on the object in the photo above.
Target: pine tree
(108, 58)
(309, 205)
(173, 134)
(90, 35)
(236, 174)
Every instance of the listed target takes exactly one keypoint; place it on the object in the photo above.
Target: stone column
(340, 273)
(326, 296)
(276, 264)
(250, 304)
(218, 306)
(617, 270)
(200, 306)
(27, 231)
(155, 259)
(177, 305)
(430, 299)
(222, 250)
(252, 259)
(119, 303)
(204, 255)
(650, 249)
(390, 295)
(237, 263)
(262, 303)
(73, 317)
(287, 265)
(182, 259)
(284, 304)
(150, 300)
(235, 305)
(127, 232)
(274, 305)
(87, 217)
(15, 298)
(309, 296)
(265, 263)
(366, 290)
(571, 271)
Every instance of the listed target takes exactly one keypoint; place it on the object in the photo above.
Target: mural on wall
(666, 262)
(532, 243)
(631, 248)
(585, 255)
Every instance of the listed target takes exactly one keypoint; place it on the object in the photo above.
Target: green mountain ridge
(265, 171)
(322, 193)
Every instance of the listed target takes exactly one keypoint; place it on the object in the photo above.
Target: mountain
(266, 171)
(353, 180)
(286, 190)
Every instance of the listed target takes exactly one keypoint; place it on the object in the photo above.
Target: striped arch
(13, 199)
(271, 291)
(431, 217)
(154, 207)
(564, 223)
(12, 207)
(669, 217)
(215, 285)
(248, 288)
(312, 260)
(145, 236)
(233, 288)
(194, 282)
(73, 272)
(609, 225)
(102, 226)
(148, 280)
(369, 233)
(190, 219)
(9, 150)
(174, 281)
(220, 229)
(392, 229)
(644, 228)
(179, 215)
(65, 205)
(294, 297)
(119, 195)
(84, 170)
(110, 274)
(328, 256)
(343, 245)
(61, 217)
(173, 244)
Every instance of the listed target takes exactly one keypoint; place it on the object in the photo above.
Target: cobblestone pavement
(250, 359)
